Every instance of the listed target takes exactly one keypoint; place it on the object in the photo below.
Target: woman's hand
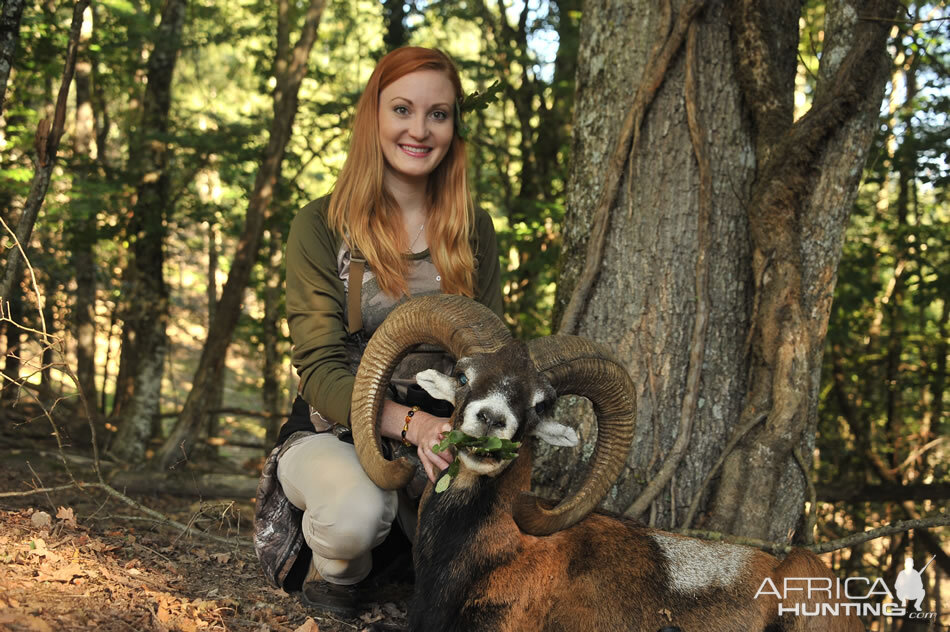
(425, 431)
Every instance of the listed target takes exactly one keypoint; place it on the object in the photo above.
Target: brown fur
(601, 574)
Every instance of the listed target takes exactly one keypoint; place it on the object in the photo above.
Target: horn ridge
(458, 324)
(578, 366)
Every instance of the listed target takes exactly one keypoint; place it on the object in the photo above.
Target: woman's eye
(401, 109)
(462, 379)
(440, 115)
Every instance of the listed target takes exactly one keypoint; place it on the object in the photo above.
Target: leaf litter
(84, 569)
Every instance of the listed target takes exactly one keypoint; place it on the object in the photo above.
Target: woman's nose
(418, 128)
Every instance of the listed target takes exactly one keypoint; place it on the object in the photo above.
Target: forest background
(151, 313)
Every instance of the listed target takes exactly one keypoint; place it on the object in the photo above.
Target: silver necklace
(419, 234)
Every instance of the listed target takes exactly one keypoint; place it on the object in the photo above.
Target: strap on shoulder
(353, 307)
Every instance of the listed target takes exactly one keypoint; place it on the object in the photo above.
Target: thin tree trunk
(271, 333)
(394, 15)
(10, 15)
(48, 136)
(145, 312)
(10, 389)
(289, 73)
(84, 233)
(217, 392)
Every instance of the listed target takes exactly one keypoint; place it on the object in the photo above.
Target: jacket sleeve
(488, 282)
(315, 299)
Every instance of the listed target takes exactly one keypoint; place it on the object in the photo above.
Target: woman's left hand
(425, 432)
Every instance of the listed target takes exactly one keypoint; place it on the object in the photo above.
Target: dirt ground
(82, 560)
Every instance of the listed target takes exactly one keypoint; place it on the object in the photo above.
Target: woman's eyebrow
(409, 101)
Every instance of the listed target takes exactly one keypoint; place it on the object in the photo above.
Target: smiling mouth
(415, 151)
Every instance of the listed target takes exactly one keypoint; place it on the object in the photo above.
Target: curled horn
(457, 324)
(577, 366)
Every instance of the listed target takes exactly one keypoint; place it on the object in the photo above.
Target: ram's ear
(437, 385)
(556, 434)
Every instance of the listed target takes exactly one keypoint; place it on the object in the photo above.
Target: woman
(402, 205)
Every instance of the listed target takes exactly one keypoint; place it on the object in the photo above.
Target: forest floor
(81, 560)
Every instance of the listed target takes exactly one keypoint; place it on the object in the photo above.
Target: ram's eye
(462, 379)
(540, 407)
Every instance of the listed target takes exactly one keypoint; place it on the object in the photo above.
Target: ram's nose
(490, 419)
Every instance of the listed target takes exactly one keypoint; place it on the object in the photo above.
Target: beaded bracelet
(405, 428)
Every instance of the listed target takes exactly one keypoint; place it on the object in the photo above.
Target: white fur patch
(437, 385)
(495, 404)
(556, 434)
(488, 468)
(539, 397)
(695, 564)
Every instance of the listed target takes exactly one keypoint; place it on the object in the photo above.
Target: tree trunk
(697, 231)
(83, 234)
(217, 392)
(396, 33)
(9, 388)
(10, 14)
(271, 333)
(48, 135)
(145, 309)
(289, 72)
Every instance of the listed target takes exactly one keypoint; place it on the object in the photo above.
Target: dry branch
(156, 516)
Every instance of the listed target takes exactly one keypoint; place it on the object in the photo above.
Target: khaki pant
(345, 513)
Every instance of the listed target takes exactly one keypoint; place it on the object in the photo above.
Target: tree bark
(10, 15)
(290, 72)
(9, 388)
(798, 209)
(48, 135)
(396, 33)
(758, 359)
(271, 338)
(83, 233)
(145, 309)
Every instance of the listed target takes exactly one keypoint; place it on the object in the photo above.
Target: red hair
(367, 215)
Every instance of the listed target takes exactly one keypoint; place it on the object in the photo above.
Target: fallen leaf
(187, 625)
(308, 626)
(222, 558)
(163, 614)
(373, 616)
(66, 515)
(65, 574)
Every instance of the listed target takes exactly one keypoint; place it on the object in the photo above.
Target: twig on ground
(40, 481)
(156, 516)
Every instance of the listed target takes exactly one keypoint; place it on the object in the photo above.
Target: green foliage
(882, 408)
(494, 447)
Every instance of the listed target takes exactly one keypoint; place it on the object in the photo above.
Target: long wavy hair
(367, 215)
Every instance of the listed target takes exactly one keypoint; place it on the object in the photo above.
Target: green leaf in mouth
(481, 446)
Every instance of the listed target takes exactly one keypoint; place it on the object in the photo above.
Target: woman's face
(416, 123)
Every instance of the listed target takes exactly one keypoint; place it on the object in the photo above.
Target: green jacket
(316, 299)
